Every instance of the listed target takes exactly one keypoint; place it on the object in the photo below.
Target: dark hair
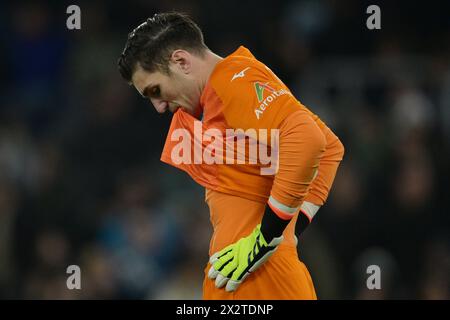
(151, 43)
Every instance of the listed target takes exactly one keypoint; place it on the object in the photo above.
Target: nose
(160, 105)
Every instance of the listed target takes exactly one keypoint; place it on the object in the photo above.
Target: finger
(228, 268)
(221, 280)
(212, 273)
(221, 253)
(223, 261)
(214, 257)
(232, 285)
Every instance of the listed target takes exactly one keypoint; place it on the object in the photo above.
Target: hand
(234, 263)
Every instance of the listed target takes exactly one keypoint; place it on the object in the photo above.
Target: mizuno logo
(240, 74)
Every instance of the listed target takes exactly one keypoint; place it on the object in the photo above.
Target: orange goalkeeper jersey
(242, 93)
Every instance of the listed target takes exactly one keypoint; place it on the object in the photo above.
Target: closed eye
(152, 92)
(155, 92)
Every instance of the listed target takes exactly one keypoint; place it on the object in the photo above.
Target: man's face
(179, 89)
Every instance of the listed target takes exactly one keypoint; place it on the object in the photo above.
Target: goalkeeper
(255, 216)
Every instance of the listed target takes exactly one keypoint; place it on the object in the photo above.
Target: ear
(182, 59)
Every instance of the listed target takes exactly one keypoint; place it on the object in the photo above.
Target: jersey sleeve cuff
(281, 210)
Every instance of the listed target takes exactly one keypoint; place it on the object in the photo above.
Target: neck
(209, 63)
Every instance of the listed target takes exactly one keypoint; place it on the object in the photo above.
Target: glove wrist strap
(272, 226)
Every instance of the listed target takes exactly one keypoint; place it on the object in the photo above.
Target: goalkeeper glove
(234, 263)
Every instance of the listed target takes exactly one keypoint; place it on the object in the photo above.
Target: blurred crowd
(80, 177)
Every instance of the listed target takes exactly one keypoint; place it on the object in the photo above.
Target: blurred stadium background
(80, 177)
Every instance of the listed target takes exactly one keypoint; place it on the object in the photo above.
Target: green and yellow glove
(234, 263)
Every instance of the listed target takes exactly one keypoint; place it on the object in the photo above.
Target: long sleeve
(301, 148)
(329, 163)
(309, 156)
